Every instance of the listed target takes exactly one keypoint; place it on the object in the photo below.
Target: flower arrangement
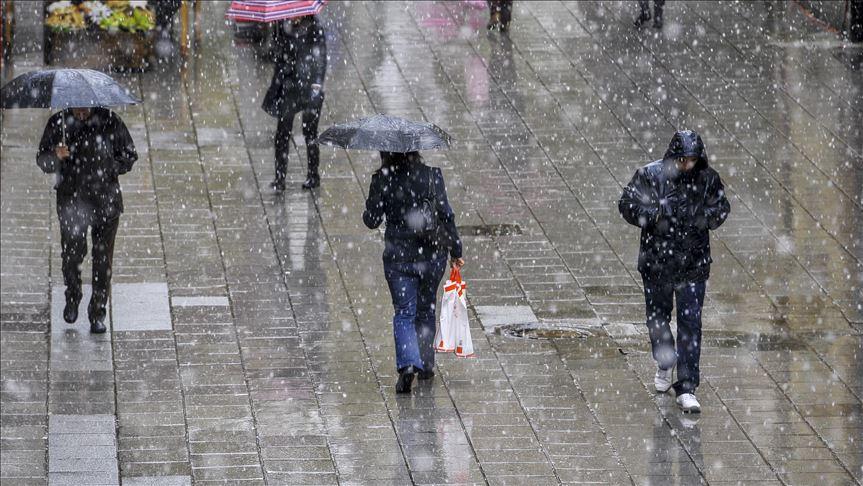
(110, 15)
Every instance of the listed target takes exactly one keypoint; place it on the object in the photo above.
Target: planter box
(117, 51)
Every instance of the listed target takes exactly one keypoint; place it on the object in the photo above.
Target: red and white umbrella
(272, 10)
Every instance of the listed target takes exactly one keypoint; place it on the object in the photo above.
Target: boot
(426, 374)
(312, 180)
(406, 378)
(70, 312)
(642, 19)
(278, 185)
(98, 326)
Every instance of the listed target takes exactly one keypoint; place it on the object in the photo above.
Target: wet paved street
(251, 339)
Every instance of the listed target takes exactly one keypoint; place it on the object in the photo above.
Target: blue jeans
(687, 353)
(413, 287)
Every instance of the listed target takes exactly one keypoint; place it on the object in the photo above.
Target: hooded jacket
(100, 149)
(675, 210)
(301, 62)
(396, 192)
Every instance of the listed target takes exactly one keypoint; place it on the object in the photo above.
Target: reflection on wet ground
(278, 366)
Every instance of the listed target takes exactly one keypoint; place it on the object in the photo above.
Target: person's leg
(310, 121)
(643, 12)
(657, 13)
(430, 276)
(403, 284)
(73, 249)
(104, 235)
(690, 299)
(659, 300)
(505, 13)
(282, 144)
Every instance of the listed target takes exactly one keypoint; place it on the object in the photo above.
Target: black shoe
(311, 182)
(657, 23)
(425, 375)
(278, 185)
(97, 327)
(70, 312)
(406, 378)
(641, 20)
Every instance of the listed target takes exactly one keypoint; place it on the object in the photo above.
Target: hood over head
(687, 143)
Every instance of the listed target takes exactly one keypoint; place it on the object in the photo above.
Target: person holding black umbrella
(420, 229)
(297, 87)
(87, 149)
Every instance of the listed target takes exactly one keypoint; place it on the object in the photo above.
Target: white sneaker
(662, 380)
(688, 403)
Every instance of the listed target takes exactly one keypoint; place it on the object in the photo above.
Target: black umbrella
(386, 134)
(64, 88)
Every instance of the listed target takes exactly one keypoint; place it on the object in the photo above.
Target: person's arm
(637, 205)
(124, 147)
(716, 205)
(47, 158)
(446, 215)
(319, 58)
(373, 216)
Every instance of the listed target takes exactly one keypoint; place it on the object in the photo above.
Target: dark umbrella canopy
(64, 88)
(386, 134)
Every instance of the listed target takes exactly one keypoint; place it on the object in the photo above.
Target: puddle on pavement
(546, 330)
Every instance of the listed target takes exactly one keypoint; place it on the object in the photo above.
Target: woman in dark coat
(297, 87)
(676, 201)
(87, 149)
(414, 256)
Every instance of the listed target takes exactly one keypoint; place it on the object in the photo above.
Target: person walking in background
(676, 201)
(644, 13)
(500, 14)
(297, 87)
(87, 149)
(411, 196)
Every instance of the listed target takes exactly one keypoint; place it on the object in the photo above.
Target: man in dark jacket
(297, 87)
(414, 256)
(676, 201)
(87, 149)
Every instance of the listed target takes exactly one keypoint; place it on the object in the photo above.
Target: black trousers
(310, 118)
(686, 352)
(644, 5)
(73, 238)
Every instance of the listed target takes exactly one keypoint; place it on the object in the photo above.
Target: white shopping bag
(454, 331)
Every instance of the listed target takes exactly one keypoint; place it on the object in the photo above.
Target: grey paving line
(282, 268)
(181, 389)
(215, 229)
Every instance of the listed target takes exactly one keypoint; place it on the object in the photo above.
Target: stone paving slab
(251, 337)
